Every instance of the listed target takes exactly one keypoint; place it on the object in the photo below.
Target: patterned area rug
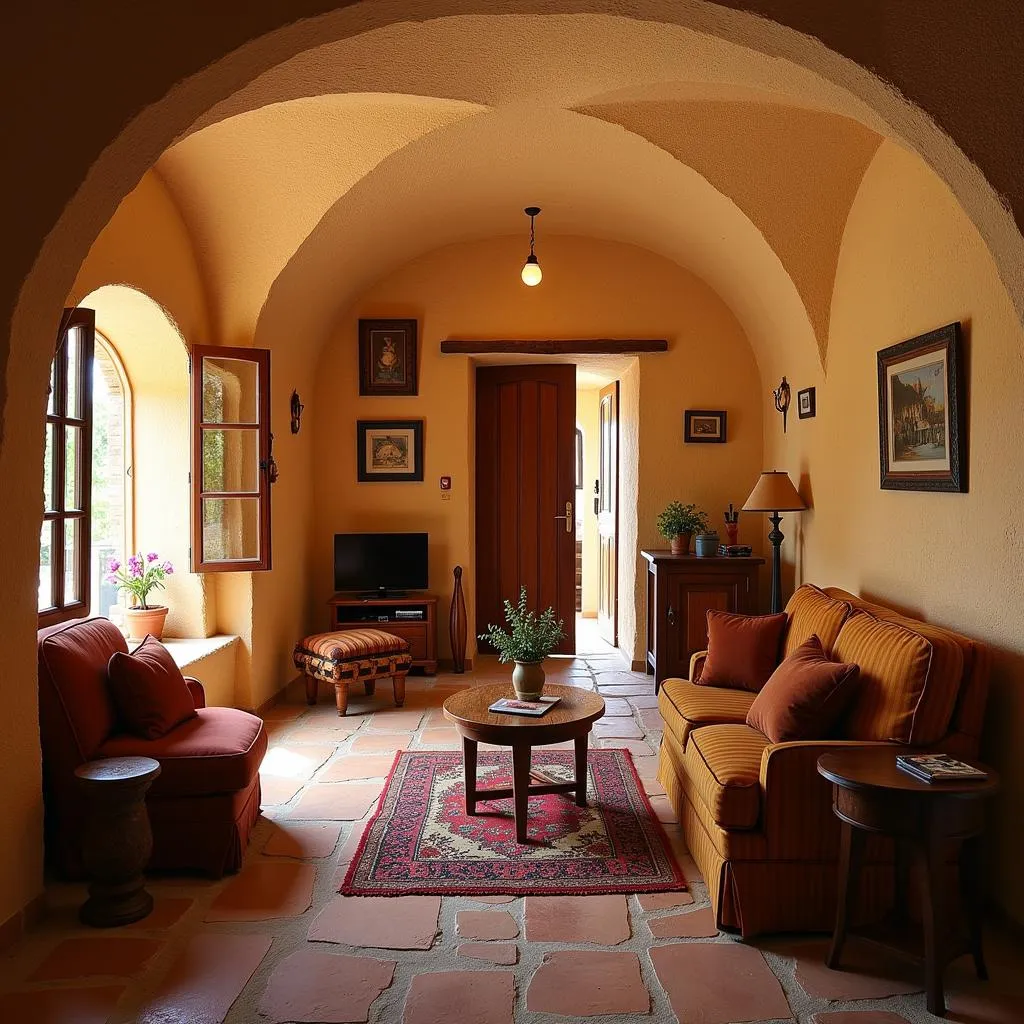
(421, 841)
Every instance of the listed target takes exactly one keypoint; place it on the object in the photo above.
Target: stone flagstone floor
(276, 943)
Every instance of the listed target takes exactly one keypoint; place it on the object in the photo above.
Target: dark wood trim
(584, 347)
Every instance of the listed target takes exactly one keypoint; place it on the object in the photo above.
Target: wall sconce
(782, 396)
(297, 408)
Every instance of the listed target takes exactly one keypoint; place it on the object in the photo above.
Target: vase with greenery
(139, 576)
(679, 523)
(529, 639)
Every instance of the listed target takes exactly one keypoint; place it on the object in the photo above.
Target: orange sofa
(757, 817)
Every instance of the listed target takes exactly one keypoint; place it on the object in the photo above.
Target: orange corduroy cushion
(894, 666)
(813, 612)
(805, 696)
(743, 650)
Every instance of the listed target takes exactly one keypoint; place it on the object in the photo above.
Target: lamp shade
(774, 492)
(531, 272)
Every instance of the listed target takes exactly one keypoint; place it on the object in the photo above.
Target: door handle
(671, 615)
(567, 517)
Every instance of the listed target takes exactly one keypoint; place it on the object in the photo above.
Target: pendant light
(531, 273)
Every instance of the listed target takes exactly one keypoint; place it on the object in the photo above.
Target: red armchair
(207, 798)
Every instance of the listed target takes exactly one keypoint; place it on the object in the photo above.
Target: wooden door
(608, 515)
(525, 486)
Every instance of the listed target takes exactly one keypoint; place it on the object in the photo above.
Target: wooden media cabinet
(350, 611)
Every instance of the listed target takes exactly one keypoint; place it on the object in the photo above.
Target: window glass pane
(53, 386)
(231, 529)
(230, 390)
(231, 460)
(45, 561)
(109, 499)
(72, 444)
(74, 350)
(49, 498)
(72, 545)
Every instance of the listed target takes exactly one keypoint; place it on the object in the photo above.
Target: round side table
(570, 719)
(117, 842)
(926, 819)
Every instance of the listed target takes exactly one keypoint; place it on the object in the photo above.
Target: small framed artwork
(704, 426)
(806, 407)
(389, 451)
(922, 436)
(387, 357)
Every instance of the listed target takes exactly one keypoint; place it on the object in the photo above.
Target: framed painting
(387, 357)
(922, 436)
(704, 426)
(389, 451)
(806, 404)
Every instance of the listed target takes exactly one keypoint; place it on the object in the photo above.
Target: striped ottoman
(350, 656)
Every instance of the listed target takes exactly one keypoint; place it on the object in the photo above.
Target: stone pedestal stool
(118, 842)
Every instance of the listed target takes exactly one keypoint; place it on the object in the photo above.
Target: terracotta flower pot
(680, 544)
(143, 621)
(528, 679)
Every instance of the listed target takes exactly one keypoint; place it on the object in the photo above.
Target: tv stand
(412, 617)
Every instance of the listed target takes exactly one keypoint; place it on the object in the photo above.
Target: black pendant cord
(776, 536)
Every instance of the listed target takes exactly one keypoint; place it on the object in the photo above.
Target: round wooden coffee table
(926, 819)
(570, 719)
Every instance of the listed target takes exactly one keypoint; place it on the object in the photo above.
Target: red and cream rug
(421, 841)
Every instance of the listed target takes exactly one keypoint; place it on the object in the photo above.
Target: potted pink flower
(139, 576)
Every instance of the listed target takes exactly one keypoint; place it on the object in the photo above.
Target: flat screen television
(380, 562)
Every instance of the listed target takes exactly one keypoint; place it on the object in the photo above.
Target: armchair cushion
(149, 691)
(724, 766)
(684, 706)
(743, 650)
(805, 696)
(217, 751)
(812, 612)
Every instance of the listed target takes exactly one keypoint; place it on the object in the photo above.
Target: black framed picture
(389, 451)
(387, 357)
(922, 436)
(704, 426)
(806, 405)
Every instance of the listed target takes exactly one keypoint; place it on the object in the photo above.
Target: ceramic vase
(528, 679)
(680, 544)
(143, 621)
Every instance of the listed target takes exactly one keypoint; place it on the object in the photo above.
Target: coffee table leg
(581, 771)
(850, 846)
(469, 768)
(521, 787)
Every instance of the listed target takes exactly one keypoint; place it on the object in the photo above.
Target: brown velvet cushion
(149, 690)
(217, 751)
(743, 650)
(805, 697)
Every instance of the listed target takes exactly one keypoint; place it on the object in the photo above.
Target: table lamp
(774, 492)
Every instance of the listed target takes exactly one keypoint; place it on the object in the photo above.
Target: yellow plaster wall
(590, 289)
(911, 261)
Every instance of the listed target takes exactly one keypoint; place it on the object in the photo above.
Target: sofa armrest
(798, 819)
(196, 689)
(697, 665)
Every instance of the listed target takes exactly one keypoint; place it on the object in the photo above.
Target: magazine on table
(938, 768)
(532, 708)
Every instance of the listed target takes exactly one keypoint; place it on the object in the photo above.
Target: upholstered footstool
(352, 656)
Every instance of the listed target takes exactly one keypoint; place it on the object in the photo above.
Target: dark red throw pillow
(149, 690)
(743, 650)
(806, 696)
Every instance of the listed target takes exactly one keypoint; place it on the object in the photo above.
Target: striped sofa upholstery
(757, 817)
(350, 656)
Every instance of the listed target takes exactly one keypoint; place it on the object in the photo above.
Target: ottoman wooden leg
(399, 681)
(341, 697)
(369, 686)
(311, 688)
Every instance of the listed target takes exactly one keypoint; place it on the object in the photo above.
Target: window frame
(60, 610)
(261, 357)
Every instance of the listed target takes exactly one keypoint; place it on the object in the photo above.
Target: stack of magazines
(735, 550)
(938, 768)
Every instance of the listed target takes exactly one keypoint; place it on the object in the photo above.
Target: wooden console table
(350, 611)
(680, 591)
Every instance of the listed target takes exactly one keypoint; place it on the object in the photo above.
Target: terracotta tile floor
(277, 943)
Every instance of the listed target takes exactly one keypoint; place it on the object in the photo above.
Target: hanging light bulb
(531, 273)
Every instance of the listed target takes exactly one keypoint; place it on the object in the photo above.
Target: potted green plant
(140, 575)
(679, 523)
(529, 639)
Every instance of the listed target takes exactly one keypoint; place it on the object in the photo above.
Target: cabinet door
(690, 597)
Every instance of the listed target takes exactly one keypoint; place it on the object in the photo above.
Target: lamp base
(776, 536)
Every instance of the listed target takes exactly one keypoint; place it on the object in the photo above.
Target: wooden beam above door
(583, 347)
